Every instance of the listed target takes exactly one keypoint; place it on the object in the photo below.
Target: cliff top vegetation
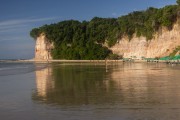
(87, 39)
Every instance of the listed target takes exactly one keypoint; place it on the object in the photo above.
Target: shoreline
(79, 61)
(63, 61)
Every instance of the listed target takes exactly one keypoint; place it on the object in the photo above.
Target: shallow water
(130, 91)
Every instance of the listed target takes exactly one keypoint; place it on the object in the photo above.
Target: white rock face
(161, 45)
(43, 48)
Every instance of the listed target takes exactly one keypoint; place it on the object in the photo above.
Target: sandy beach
(80, 61)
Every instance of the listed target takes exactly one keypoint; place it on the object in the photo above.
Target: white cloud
(19, 38)
(23, 21)
(20, 24)
(12, 28)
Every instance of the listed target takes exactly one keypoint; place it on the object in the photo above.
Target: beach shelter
(176, 57)
(166, 58)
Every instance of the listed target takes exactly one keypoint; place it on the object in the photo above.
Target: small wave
(14, 68)
(20, 68)
(11, 68)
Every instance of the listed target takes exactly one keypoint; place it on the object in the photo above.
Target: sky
(18, 17)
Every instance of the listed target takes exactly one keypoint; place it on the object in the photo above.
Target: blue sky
(18, 17)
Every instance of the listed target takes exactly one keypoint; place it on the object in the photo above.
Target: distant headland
(152, 33)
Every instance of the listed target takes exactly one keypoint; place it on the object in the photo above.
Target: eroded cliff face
(163, 43)
(43, 48)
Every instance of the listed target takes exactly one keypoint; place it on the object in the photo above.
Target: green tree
(178, 2)
(84, 40)
(35, 33)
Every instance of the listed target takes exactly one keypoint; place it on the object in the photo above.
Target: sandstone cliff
(43, 48)
(163, 43)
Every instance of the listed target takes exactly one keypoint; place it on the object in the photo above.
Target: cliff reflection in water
(44, 82)
(127, 85)
(74, 85)
(148, 85)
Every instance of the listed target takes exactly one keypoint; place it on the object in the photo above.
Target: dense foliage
(86, 40)
(178, 2)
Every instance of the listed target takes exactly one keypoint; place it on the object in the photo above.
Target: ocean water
(123, 91)
(14, 68)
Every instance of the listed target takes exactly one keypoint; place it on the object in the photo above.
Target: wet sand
(73, 91)
(77, 61)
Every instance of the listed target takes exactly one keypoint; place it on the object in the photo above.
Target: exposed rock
(163, 43)
(43, 48)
